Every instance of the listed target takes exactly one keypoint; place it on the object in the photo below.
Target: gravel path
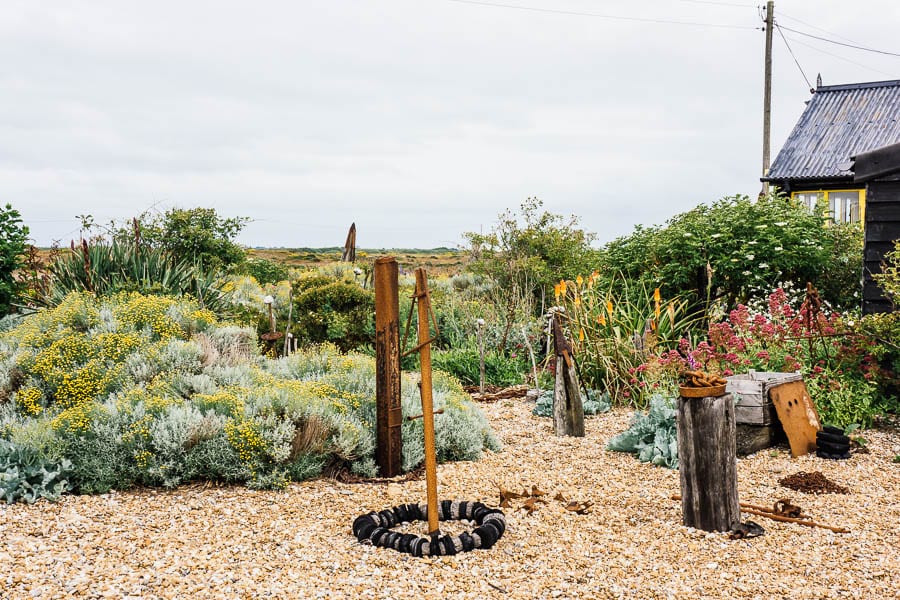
(209, 542)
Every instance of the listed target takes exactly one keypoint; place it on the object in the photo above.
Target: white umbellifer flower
(763, 265)
(778, 248)
(751, 256)
(716, 235)
(688, 234)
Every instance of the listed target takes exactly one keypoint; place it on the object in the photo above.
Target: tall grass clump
(616, 326)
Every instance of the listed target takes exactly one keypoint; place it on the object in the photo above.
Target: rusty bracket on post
(439, 411)
(416, 296)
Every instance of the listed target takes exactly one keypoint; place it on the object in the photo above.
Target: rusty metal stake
(423, 305)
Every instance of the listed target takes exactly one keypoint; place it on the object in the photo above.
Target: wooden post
(568, 412)
(287, 328)
(480, 324)
(388, 412)
(767, 92)
(707, 463)
(423, 305)
(349, 253)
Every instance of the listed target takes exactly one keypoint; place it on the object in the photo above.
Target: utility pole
(767, 96)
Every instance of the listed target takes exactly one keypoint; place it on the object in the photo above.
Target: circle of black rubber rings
(375, 527)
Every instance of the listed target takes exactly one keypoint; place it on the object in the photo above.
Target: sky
(418, 120)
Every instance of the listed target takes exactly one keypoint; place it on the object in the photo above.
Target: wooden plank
(754, 415)
(798, 416)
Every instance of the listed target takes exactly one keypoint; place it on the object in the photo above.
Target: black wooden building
(841, 123)
(879, 170)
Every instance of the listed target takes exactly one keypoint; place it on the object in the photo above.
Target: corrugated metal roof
(840, 121)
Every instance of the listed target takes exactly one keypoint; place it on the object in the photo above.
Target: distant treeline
(339, 249)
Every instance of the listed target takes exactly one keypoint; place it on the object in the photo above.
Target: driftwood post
(707, 463)
(388, 413)
(568, 412)
(349, 253)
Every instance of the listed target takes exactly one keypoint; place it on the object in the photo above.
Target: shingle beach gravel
(230, 542)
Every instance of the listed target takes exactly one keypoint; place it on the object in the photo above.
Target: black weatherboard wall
(880, 171)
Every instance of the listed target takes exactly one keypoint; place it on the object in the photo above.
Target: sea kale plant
(133, 389)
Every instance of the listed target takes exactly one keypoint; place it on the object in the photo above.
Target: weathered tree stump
(707, 463)
(568, 412)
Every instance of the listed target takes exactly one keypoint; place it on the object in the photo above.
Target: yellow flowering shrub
(245, 438)
(77, 419)
(28, 400)
(129, 395)
(225, 402)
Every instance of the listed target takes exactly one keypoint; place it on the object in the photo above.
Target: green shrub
(265, 271)
(154, 391)
(13, 237)
(465, 365)
(737, 246)
(338, 312)
(198, 235)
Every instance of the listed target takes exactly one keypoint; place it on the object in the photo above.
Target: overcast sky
(417, 119)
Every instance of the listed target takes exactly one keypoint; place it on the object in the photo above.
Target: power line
(797, 62)
(808, 24)
(731, 4)
(818, 37)
(853, 62)
(599, 15)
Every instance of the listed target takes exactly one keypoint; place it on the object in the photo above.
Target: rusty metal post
(423, 304)
(388, 413)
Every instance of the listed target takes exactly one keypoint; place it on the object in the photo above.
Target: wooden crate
(752, 391)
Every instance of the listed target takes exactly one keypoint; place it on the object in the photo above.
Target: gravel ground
(227, 542)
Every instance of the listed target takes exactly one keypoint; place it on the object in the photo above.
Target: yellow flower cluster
(203, 318)
(156, 404)
(245, 438)
(84, 385)
(142, 458)
(63, 355)
(29, 401)
(116, 347)
(140, 429)
(148, 312)
(76, 419)
(339, 400)
(225, 401)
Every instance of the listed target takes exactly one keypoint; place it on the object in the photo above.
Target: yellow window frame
(825, 193)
